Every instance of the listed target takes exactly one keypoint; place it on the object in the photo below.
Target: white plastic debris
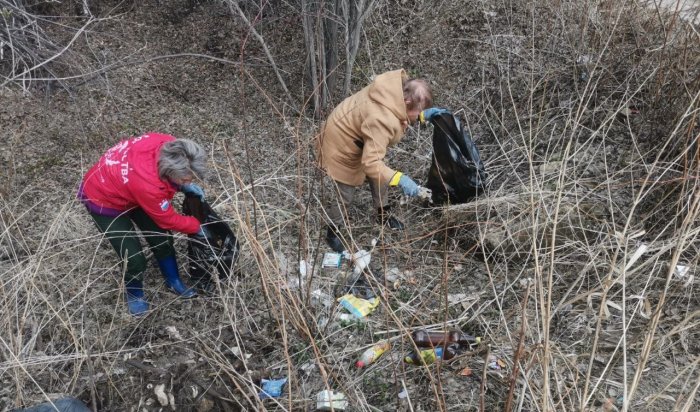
(681, 271)
(302, 268)
(173, 332)
(683, 274)
(237, 352)
(322, 298)
(330, 400)
(159, 391)
(361, 258)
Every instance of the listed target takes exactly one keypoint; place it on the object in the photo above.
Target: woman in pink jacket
(134, 182)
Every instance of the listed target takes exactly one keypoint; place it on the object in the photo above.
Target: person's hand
(193, 189)
(202, 235)
(428, 114)
(409, 187)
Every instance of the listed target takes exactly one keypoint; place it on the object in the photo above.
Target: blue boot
(135, 298)
(168, 267)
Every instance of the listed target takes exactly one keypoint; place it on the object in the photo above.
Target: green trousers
(122, 234)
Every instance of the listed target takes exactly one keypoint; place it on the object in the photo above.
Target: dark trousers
(337, 208)
(121, 233)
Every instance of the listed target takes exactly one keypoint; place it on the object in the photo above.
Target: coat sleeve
(158, 205)
(377, 133)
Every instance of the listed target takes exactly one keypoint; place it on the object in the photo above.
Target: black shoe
(333, 240)
(384, 217)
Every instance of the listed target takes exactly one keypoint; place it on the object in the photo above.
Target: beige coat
(353, 142)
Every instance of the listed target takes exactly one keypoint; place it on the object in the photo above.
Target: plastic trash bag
(457, 173)
(221, 250)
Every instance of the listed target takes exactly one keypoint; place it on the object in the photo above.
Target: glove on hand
(409, 187)
(202, 235)
(428, 114)
(194, 189)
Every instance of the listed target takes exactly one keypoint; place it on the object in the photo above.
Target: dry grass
(566, 267)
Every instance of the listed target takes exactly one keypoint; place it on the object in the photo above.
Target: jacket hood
(384, 91)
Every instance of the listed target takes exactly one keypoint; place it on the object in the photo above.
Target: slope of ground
(586, 116)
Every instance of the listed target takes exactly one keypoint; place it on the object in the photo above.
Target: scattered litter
(272, 388)
(456, 339)
(322, 298)
(347, 319)
(159, 391)
(403, 394)
(373, 353)
(466, 371)
(173, 333)
(330, 400)
(322, 322)
(496, 363)
(332, 260)
(430, 356)
(683, 273)
(458, 267)
(237, 352)
(361, 258)
(308, 367)
(392, 275)
(302, 268)
(358, 307)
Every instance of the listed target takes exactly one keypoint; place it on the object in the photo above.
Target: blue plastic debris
(272, 388)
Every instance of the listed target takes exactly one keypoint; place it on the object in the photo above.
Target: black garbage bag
(457, 173)
(220, 252)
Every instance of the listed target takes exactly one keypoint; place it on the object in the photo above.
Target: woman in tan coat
(354, 140)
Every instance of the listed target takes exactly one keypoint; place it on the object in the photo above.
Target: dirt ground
(587, 143)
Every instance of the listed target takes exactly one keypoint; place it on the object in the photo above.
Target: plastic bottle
(372, 354)
(427, 339)
(429, 356)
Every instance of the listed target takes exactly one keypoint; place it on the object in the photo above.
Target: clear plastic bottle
(373, 353)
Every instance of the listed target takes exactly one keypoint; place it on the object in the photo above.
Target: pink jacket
(126, 176)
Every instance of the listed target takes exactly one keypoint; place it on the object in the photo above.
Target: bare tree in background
(324, 22)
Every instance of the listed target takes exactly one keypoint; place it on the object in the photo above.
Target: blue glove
(193, 189)
(409, 187)
(428, 114)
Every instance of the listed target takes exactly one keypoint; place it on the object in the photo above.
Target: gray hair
(182, 158)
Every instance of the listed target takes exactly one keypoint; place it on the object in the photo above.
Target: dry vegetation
(586, 114)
